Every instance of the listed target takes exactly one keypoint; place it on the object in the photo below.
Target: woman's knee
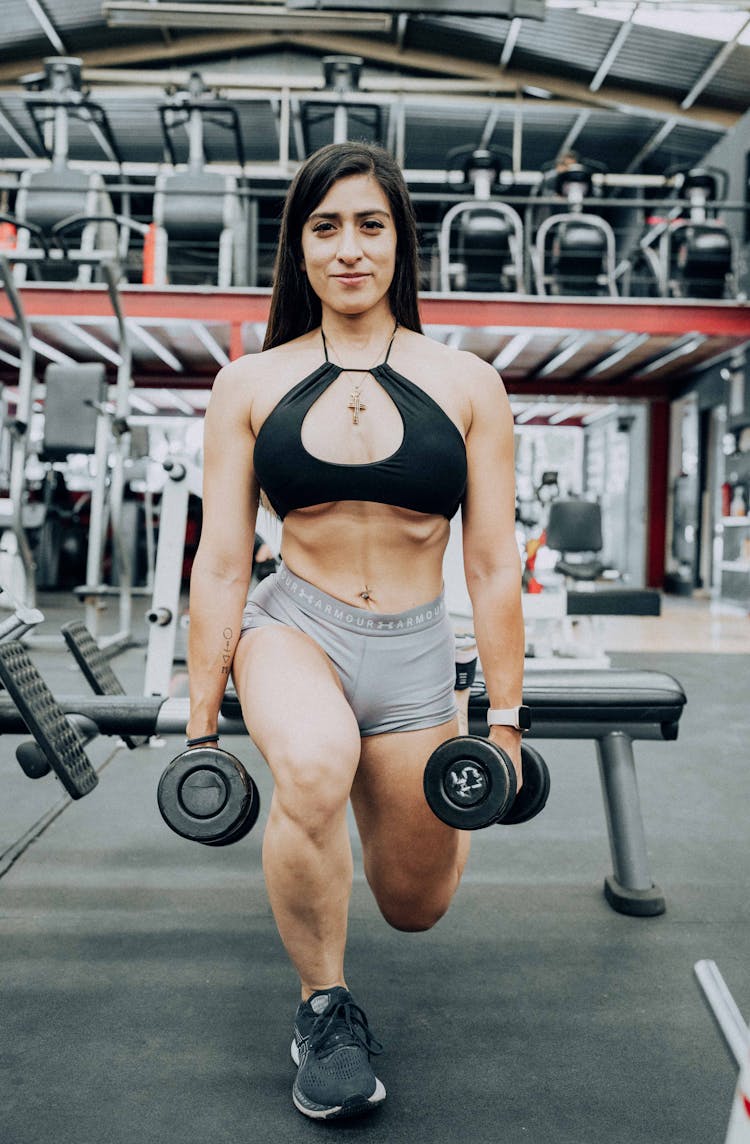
(313, 775)
(415, 909)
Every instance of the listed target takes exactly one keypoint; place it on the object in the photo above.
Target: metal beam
(568, 349)
(209, 342)
(581, 120)
(490, 124)
(718, 62)
(651, 144)
(255, 17)
(683, 348)
(622, 34)
(47, 26)
(536, 409)
(296, 122)
(402, 25)
(96, 344)
(511, 350)
(481, 77)
(140, 53)
(99, 135)
(40, 347)
(625, 346)
(156, 346)
(658, 317)
(10, 359)
(511, 39)
(618, 99)
(567, 412)
(172, 397)
(12, 131)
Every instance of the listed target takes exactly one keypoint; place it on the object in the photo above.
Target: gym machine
(54, 100)
(690, 253)
(79, 419)
(197, 211)
(480, 243)
(20, 620)
(111, 453)
(66, 227)
(574, 250)
(332, 118)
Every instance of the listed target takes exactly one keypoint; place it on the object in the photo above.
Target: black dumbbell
(32, 760)
(469, 783)
(206, 795)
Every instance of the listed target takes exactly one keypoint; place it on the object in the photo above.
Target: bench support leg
(630, 889)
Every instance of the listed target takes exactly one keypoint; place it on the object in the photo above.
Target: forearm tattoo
(226, 651)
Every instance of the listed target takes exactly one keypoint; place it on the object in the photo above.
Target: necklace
(356, 404)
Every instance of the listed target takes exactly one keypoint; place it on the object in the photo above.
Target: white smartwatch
(518, 717)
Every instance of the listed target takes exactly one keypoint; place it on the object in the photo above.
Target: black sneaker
(332, 1046)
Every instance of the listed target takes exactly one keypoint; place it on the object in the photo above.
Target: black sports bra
(427, 473)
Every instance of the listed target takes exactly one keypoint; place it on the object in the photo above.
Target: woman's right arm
(223, 563)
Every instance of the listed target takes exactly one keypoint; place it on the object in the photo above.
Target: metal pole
(60, 143)
(121, 454)
(163, 616)
(195, 137)
(724, 1009)
(340, 123)
(19, 431)
(623, 810)
(98, 520)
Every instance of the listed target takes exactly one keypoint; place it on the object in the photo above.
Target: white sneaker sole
(369, 1105)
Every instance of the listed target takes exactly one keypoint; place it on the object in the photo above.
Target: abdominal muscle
(369, 555)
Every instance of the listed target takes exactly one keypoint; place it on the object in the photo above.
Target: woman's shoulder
(250, 371)
(459, 366)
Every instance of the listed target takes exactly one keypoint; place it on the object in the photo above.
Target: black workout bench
(612, 707)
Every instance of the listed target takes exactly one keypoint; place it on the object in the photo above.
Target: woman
(366, 437)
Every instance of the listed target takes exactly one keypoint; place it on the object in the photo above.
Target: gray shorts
(397, 671)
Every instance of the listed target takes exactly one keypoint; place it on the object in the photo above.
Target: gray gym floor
(145, 995)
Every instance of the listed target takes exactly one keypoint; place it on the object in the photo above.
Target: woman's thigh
(410, 856)
(296, 713)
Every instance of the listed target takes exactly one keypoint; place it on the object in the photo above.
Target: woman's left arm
(492, 564)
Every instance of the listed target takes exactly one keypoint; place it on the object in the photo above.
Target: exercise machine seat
(574, 528)
(47, 197)
(702, 259)
(484, 247)
(577, 257)
(191, 205)
(200, 219)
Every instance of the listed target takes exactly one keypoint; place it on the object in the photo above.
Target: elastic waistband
(314, 602)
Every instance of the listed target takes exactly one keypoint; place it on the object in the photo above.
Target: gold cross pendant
(357, 406)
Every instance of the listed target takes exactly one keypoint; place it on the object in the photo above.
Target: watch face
(524, 718)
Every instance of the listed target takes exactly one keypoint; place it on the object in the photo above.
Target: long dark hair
(295, 308)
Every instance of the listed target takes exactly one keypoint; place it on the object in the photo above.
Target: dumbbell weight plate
(206, 795)
(32, 760)
(244, 828)
(532, 797)
(469, 782)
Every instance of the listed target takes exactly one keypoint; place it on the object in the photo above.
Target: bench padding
(609, 696)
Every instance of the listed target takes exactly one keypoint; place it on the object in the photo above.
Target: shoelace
(342, 1024)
